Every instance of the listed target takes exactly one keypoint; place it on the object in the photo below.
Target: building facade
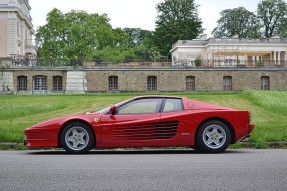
(231, 52)
(16, 31)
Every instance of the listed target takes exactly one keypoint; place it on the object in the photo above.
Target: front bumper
(251, 127)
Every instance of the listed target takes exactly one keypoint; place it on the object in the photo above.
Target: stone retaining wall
(135, 79)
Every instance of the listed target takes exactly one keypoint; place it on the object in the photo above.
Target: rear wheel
(77, 138)
(213, 137)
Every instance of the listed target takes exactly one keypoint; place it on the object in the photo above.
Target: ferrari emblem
(96, 120)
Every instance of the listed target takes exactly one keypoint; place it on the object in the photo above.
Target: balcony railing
(33, 61)
(230, 63)
(24, 61)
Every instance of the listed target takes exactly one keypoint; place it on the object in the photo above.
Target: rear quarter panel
(237, 120)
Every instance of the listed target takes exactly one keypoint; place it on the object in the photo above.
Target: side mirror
(113, 110)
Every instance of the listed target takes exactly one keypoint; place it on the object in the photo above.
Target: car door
(175, 122)
(134, 124)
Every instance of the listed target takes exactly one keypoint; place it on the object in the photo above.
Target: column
(279, 57)
(274, 57)
(246, 59)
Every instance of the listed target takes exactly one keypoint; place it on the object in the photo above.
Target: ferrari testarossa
(145, 121)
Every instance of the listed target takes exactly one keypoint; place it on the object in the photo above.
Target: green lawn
(17, 112)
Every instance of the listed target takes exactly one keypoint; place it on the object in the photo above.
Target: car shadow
(131, 152)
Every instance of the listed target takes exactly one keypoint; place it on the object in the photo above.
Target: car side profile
(145, 121)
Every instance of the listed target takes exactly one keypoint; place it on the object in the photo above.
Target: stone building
(34, 80)
(16, 29)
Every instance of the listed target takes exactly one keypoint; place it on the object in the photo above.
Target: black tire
(213, 137)
(77, 138)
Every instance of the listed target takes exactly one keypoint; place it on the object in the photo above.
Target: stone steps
(6, 82)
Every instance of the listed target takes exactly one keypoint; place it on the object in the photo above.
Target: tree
(272, 17)
(140, 41)
(177, 19)
(136, 36)
(238, 21)
(74, 35)
(77, 36)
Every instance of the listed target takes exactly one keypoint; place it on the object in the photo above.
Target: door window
(150, 105)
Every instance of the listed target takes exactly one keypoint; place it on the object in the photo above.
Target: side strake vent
(163, 130)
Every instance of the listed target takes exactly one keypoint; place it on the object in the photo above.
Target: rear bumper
(246, 137)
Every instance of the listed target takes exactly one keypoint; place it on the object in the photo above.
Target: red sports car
(145, 121)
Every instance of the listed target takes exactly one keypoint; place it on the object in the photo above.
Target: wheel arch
(74, 121)
(230, 127)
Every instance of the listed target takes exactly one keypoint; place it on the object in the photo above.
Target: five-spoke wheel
(213, 136)
(77, 138)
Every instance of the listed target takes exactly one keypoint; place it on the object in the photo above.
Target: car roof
(157, 96)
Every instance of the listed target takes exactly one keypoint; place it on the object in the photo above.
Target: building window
(22, 83)
(57, 83)
(113, 83)
(227, 83)
(40, 84)
(265, 83)
(152, 83)
(190, 83)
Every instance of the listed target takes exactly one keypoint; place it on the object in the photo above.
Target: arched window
(227, 83)
(57, 83)
(113, 83)
(151, 83)
(265, 83)
(190, 83)
(21, 83)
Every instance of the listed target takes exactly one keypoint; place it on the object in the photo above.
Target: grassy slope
(269, 110)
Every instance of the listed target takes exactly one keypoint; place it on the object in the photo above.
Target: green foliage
(74, 37)
(136, 36)
(177, 20)
(112, 55)
(272, 101)
(198, 61)
(272, 17)
(238, 21)
(269, 20)
(10, 111)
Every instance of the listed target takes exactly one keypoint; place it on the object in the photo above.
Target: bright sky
(135, 13)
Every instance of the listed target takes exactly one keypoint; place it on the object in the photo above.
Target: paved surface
(144, 170)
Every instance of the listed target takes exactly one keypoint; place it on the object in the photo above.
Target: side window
(150, 105)
(172, 105)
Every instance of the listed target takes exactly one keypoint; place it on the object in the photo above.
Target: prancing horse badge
(96, 120)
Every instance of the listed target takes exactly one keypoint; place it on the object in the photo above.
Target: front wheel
(77, 138)
(213, 137)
